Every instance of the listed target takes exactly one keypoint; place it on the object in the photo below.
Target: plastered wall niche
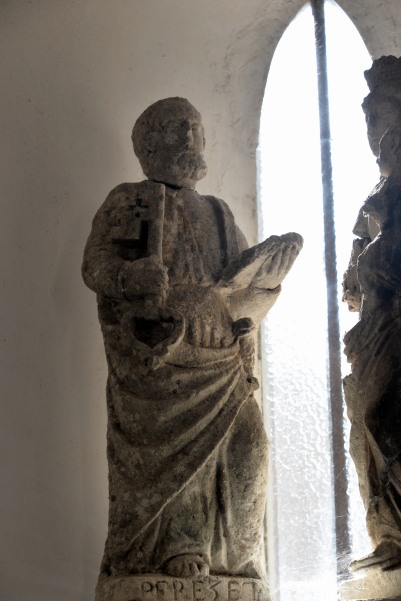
(74, 78)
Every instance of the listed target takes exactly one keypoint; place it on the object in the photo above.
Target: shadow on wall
(59, 161)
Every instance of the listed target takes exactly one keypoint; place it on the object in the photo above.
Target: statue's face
(380, 114)
(186, 133)
(390, 152)
(177, 158)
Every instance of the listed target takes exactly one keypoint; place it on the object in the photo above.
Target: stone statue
(372, 286)
(178, 295)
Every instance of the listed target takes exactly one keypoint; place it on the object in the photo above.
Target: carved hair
(146, 134)
(384, 81)
(385, 70)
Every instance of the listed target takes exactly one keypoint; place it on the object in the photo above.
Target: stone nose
(190, 137)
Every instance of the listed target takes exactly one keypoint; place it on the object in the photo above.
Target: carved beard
(190, 164)
(181, 169)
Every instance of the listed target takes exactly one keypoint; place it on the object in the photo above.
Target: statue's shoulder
(221, 210)
(124, 188)
(128, 189)
(217, 202)
(122, 193)
(235, 239)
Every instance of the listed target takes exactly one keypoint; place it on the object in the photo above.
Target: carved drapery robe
(187, 450)
(373, 347)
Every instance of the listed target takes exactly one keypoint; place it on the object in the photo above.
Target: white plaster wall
(75, 75)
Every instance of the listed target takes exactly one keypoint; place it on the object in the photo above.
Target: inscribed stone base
(373, 584)
(158, 587)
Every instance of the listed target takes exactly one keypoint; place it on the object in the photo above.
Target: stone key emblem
(132, 225)
(139, 220)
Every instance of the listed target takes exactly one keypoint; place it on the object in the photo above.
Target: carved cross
(132, 227)
(139, 215)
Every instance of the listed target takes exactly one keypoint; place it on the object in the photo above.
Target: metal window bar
(334, 351)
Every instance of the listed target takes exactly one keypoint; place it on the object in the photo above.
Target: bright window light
(302, 552)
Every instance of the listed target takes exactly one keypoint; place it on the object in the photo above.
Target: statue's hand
(284, 250)
(145, 278)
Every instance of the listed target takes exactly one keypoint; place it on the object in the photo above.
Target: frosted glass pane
(302, 543)
(301, 517)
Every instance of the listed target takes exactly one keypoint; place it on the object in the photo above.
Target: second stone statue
(179, 293)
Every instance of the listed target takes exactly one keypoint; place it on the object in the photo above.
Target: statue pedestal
(373, 584)
(159, 587)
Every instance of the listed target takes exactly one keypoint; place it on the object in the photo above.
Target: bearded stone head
(390, 152)
(169, 141)
(382, 106)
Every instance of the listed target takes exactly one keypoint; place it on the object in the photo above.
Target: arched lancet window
(314, 501)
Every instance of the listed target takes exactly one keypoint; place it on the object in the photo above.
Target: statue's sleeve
(241, 240)
(102, 267)
(251, 302)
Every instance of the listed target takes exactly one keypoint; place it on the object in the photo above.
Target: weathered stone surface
(166, 588)
(373, 346)
(375, 584)
(179, 294)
